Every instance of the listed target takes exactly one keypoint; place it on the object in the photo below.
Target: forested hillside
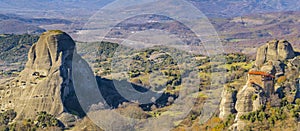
(14, 48)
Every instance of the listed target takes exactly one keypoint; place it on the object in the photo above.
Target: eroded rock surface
(275, 50)
(46, 83)
(248, 99)
(227, 105)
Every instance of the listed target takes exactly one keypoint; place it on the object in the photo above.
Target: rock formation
(275, 50)
(274, 59)
(227, 105)
(46, 83)
(248, 99)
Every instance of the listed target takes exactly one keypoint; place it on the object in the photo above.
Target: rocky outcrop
(227, 105)
(248, 99)
(276, 58)
(53, 49)
(261, 55)
(285, 50)
(46, 83)
(275, 50)
(244, 102)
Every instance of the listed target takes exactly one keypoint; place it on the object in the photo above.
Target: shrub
(56, 31)
(281, 79)
(297, 101)
(254, 97)
(7, 116)
(45, 120)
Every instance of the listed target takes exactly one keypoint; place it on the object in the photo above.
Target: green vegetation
(14, 48)
(216, 124)
(156, 68)
(56, 31)
(45, 120)
(42, 121)
(267, 117)
(106, 50)
(233, 58)
(7, 117)
(254, 97)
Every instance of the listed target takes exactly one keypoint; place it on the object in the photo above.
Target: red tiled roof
(260, 73)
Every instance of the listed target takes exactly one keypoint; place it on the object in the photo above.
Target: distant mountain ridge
(34, 20)
(231, 8)
(52, 4)
(212, 8)
(15, 24)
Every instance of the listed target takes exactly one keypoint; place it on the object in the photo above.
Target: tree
(7, 116)
(281, 80)
(46, 120)
(297, 101)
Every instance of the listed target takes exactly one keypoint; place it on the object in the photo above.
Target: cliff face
(248, 99)
(46, 83)
(227, 105)
(53, 49)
